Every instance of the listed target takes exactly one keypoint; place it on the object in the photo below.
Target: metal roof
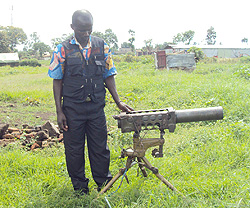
(9, 57)
(212, 46)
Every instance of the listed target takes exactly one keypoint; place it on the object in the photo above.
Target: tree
(4, 42)
(111, 39)
(162, 46)
(148, 45)
(244, 40)
(13, 36)
(184, 37)
(211, 36)
(177, 38)
(34, 47)
(131, 39)
(56, 41)
(98, 34)
(40, 48)
(125, 45)
(33, 38)
(16, 35)
(188, 36)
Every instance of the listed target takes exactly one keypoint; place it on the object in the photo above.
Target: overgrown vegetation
(207, 161)
(198, 53)
(30, 62)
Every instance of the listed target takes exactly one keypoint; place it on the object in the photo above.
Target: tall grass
(207, 161)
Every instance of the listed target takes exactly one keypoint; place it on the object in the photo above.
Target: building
(184, 61)
(219, 51)
(123, 51)
(11, 59)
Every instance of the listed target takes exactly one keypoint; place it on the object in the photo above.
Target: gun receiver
(164, 118)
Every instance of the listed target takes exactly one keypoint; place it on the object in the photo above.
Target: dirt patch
(44, 116)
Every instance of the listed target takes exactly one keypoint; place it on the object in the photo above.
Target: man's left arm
(109, 79)
(110, 84)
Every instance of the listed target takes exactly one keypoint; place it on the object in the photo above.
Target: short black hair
(82, 14)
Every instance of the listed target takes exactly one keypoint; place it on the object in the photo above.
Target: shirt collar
(74, 41)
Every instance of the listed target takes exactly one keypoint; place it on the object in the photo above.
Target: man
(81, 67)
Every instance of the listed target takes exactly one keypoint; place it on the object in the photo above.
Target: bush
(129, 58)
(243, 71)
(147, 59)
(199, 54)
(23, 55)
(30, 62)
(245, 59)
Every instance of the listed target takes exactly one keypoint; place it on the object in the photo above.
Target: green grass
(207, 161)
(26, 93)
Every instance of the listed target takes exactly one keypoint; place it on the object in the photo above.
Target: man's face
(82, 30)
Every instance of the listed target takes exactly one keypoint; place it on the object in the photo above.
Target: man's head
(82, 22)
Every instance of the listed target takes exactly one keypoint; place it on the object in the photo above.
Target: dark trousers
(86, 119)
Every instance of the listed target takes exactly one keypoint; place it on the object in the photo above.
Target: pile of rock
(31, 137)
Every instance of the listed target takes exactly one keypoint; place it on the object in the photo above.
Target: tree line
(11, 37)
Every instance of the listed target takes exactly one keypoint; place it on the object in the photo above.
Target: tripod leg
(118, 175)
(142, 167)
(158, 175)
(113, 180)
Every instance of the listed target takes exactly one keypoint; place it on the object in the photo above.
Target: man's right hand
(62, 122)
(61, 119)
(124, 107)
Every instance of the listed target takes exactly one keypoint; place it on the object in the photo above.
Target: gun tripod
(138, 153)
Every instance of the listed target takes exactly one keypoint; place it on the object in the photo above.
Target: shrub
(129, 58)
(243, 71)
(199, 54)
(245, 59)
(30, 62)
(24, 55)
(148, 59)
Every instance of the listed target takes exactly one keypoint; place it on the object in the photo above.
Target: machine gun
(137, 121)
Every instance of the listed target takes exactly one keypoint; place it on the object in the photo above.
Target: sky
(159, 20)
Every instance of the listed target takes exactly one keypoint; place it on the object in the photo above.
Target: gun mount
(137, 121)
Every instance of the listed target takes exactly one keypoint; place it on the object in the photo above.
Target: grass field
(209, 162)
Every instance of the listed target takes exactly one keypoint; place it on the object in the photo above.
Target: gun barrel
(199, 114)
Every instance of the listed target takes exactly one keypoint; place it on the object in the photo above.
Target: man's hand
(62, 122)
(61, 119)
(124, 107)
(110, 84)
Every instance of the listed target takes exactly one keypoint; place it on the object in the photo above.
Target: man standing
(81, 67)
